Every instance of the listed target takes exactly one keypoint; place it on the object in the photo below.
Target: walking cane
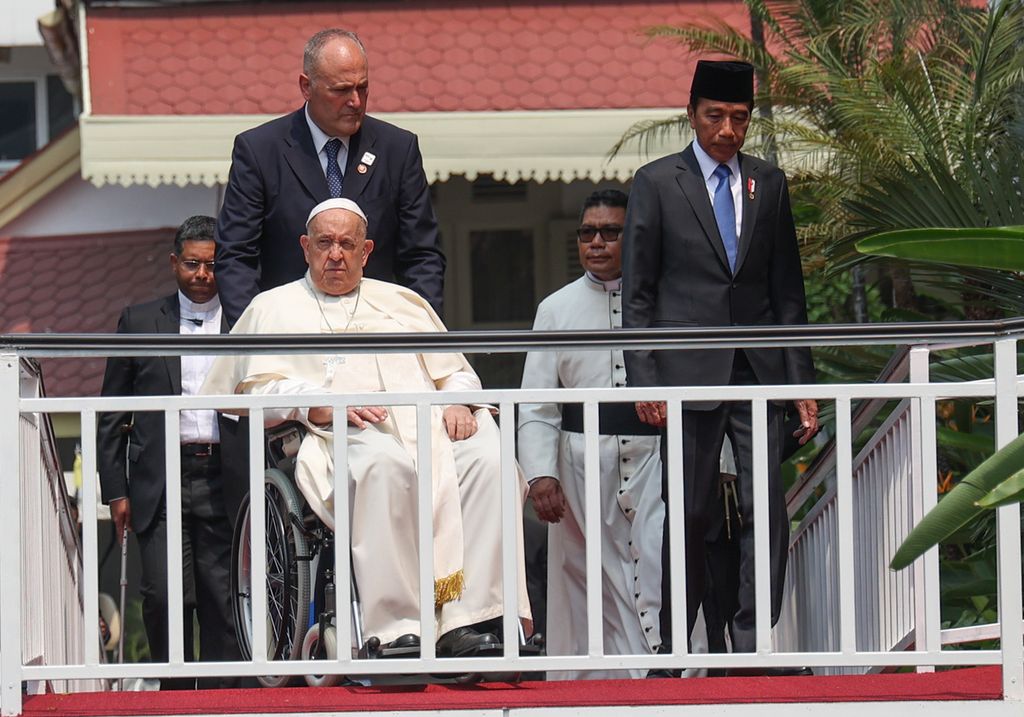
(124, 585)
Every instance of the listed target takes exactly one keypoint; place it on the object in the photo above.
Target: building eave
(557, 145)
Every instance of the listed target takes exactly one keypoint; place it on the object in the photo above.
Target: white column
(1008, 529)
(10, 537)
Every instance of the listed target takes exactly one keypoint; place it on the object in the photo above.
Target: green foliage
(136, 645)
(960, 505)
(987, 248)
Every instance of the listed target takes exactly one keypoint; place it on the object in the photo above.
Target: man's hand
(121, 514)
(808, 410)
(653, 413)
(548, 499)
(358, 416)
(460, 422)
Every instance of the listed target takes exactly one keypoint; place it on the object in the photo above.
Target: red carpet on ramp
(978, 683)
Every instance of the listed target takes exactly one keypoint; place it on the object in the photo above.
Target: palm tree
(858, 89)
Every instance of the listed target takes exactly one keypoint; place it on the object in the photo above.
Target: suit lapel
(302, 158)
(750, 196)
(168, 321)
(362, 142)
(691, 181)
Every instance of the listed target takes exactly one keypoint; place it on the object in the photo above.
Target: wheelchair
(301, 599)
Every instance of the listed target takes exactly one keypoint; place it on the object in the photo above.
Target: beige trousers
(382, 485)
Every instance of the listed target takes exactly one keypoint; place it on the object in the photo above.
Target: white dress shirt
(321, 138)
(708, 167)
(198, 426)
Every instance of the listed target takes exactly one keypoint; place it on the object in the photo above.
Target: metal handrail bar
(534, 395)
(516, 341)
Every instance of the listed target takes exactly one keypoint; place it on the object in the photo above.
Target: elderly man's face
(720, 127)
(336, 91)
(336, 250)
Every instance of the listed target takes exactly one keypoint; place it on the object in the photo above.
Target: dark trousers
(703, 433)
(206, 559)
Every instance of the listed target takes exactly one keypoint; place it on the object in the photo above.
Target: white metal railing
(51, 555)
(883, 493)
(845, 648)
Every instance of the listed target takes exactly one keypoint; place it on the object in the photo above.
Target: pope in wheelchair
(333, 297)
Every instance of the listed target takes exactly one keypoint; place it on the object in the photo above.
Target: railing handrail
(516, 341)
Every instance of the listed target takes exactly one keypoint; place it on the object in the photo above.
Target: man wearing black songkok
(710, 241)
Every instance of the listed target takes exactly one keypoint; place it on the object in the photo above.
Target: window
(34, 112)
(501, 261)
(18, 120)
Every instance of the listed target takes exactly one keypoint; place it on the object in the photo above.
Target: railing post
(10, 536)
(1008, 529)
(923, 470)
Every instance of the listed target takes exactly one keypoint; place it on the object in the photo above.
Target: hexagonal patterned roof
(79, 284)
(424, 56)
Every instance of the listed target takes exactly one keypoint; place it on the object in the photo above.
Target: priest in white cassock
(551, 454)
(333, 297)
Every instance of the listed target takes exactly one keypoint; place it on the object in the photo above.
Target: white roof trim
(541, 146)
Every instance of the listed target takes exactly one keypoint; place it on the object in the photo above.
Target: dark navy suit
(276, 179)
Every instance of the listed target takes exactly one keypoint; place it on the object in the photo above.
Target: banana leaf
(1009, 491)
(985, 247)
(960, 505)
(978, 442)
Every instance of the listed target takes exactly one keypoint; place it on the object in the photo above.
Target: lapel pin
(750, 187)
(361, 168)
(368, 158)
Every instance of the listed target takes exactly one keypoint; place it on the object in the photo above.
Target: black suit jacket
(276, 179)
(131, 462)
(676, 274)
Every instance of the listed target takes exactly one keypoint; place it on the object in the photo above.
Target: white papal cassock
(382, 457)
(631, 506)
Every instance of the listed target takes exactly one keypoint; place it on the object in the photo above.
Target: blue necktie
(725, 213)
(333, 170)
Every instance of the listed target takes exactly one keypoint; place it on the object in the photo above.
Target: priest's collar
(610, 285)
(187, 306)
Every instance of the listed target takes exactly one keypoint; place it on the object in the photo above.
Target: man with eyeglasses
(131, 459)
(551, 454)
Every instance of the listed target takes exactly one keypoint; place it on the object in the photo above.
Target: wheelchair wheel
(288, 579)
(311, 645)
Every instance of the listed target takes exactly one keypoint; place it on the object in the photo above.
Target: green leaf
(1009, 491)
(961, 504)
(978, 442)
(984, 247)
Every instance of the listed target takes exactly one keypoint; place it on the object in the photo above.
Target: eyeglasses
(609, 233)
(193, 265)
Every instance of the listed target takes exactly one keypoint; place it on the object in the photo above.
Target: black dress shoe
(403, 641)
(770, 671)
(466, 642)
(663, 673)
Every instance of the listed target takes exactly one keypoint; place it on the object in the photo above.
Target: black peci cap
(724, 81)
